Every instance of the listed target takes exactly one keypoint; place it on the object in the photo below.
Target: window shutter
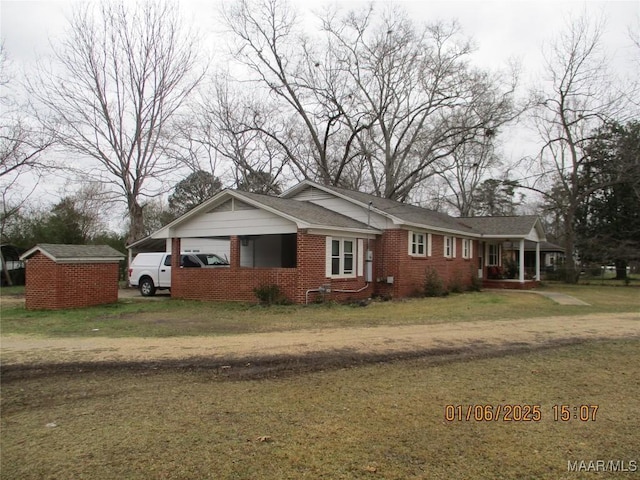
(429, 245)
(453, 247)
(410, 242)
(360, 256)
(327, 257)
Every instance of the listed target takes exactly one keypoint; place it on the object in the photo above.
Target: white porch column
(538, 261)
(521, 260)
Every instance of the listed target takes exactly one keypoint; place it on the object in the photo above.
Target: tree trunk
(571, 272)
(621, 269)
(136, 221)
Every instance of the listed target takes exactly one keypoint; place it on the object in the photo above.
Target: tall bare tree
(427, 101)
(224, 135)
(372, 101)
(472, 162)
(120, 75)
(305, 84)
(579, 95)
(22, 148)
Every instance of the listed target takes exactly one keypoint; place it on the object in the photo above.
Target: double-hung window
(449, 247)
(417, 244)
(342, 257)
(467, 248)
(494, 252)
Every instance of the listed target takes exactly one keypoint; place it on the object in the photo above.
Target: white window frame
(449, 246)
(415, 244)
(341, 256)
(412, 244)
(496, 254)
(467, 248)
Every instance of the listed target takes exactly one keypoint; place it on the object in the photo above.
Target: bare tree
(120, 75)
(22, 145)
(225, 132)
(426, 100)
(471, 164)
(306, 85)
(580, 96)
(375, 102)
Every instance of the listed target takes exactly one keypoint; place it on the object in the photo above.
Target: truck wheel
(147, 288)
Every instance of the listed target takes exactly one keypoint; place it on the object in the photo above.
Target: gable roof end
(303, 214)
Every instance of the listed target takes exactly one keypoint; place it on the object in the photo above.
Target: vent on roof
(231, 205)
(310, 194)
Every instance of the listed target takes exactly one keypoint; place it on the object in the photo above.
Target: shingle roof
(61, 252)
(408, 213)
(502, 226)
(306, 211)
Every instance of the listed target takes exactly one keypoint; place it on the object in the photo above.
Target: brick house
(70, 276)
(319, 241)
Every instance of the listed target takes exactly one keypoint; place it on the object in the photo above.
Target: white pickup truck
(152, 271)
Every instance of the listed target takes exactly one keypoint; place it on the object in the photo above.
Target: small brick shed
(70, 276)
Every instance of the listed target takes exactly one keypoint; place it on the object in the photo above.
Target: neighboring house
(315, 240)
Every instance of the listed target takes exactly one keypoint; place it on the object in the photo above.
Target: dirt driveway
(380, 341)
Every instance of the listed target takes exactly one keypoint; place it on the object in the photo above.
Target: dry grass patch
(376, 421)
(133, 318)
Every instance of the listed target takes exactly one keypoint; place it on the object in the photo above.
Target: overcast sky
(500, 29)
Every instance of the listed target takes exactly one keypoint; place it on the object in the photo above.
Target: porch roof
(510, 227)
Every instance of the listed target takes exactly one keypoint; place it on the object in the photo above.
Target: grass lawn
(135, 317)
(376, 421)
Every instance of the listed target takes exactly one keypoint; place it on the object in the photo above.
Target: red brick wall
(391, 259)
(235, 283)
(51, 286)
(408, 272)
(313, 273)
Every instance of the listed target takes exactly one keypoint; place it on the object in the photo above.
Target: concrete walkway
(559, 298)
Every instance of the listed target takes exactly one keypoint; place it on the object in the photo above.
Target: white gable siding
(533, 235)
(239, 222)
(344, 207)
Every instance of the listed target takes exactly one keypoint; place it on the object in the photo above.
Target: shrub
(270, 295)
(476, 283)
(456, 284)
(433, 285)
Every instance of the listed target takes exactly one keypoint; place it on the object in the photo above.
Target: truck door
(164, 274)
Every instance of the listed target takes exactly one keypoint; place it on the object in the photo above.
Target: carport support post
(521, 278)
(234, 252)
(175, 267)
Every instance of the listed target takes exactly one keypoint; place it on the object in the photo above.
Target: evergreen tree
(608, 221)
